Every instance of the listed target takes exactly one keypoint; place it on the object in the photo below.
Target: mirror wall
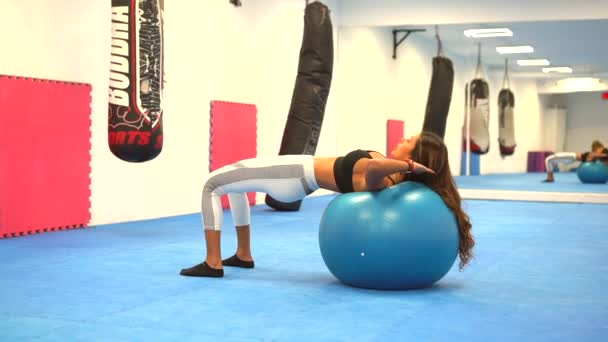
(554, 111)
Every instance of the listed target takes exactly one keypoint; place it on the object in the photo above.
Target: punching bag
(440, 96)
(135, 130)
(506, 125)
(479, 112)
(311, 90)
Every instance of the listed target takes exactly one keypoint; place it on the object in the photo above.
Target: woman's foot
(235, 261)
(203, 270)
(549, 179)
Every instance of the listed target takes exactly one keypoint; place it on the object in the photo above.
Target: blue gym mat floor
(539, 275)
(564, 182)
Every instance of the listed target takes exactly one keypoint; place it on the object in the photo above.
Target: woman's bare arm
(379, 168)
(595, 155)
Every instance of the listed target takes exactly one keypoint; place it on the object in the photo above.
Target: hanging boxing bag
(440, 93)
(480, 116)
(135, 130)
(506, 125)
(311, 90)
(479, 112)
(440, 96)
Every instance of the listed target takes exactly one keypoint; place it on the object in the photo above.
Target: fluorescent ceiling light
(533, 62)
(580, 84)
(486, 33)
(561, 70)
(505, 50)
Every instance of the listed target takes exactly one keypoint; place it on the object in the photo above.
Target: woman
(291, 178)
(598, 151)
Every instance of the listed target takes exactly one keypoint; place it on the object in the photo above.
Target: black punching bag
(440, 96)
(311, 90)
(135, 127)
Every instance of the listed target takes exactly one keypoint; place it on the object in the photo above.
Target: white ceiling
(568, 33)
(429, 12)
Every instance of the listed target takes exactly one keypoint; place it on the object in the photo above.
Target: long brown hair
(431, 151)
(596, 144)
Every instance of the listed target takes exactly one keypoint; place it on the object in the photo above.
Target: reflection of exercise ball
(593, 172)
(402, 237)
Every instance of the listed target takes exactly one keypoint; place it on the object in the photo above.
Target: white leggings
(287, 178)
(560, 157)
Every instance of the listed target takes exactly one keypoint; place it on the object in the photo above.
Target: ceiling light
(533, 62)
(581, 84)
(561, 70)
(505, 50)
(486, 33)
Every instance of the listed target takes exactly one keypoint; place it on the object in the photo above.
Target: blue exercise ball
(593, 172)
(402, 237)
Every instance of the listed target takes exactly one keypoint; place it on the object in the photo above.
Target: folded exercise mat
(45, 143)
(135, 126)
(394, 133)
(536, 161)
(233, 136)
(310, 93)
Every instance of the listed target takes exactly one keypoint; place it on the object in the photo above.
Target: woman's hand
(418, 168)
(379, 168)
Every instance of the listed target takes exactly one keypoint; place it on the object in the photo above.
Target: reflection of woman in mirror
(598, 151)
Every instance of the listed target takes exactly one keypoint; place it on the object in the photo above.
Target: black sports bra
(343, 169)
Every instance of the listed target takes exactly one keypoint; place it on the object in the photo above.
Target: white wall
(213, 51)
(571, 121)
(553, 117)
(374, 88)
(587, 120)
(365, 90)
(379, 88)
